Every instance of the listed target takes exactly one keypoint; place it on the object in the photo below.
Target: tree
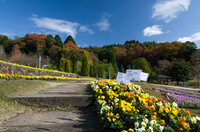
(164, 67)
(55, 55)
(122, 69)
(62, 64)
(195, 65)
(179, 72)
(58, 42)
(75, 67)
(6, 43)
(67, 66)
(49, 41)
(34, 43)
(105, 70)
(85, 66)
(69, 38)
(142, 63)
(91, 70)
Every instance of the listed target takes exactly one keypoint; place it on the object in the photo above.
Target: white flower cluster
(195, 119)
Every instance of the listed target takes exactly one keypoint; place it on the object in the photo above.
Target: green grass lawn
(10, 107)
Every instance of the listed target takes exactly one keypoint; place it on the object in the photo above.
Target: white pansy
(136, 124)
(174, 105)
(198, 118)
(161, 128)
(159, 103)
(152, 122)
(143, 124)
(146, 120)
(142, 129)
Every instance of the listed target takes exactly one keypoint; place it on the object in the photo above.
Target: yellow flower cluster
(16, 76)
(128, 108)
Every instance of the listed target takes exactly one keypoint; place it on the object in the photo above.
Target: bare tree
(163, 67)
(195, 65)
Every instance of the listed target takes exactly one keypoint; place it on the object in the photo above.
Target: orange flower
(162, 122)
(153, 117)
(147, 106)
(142, 90)
(181, 120)
(186, 125)
(160, 99)
(152, 108)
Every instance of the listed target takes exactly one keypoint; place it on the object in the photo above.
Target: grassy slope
(147, 88)
(9, 107)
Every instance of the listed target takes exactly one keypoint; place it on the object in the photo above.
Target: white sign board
(133, 75)
(144, 76)
(121, 77)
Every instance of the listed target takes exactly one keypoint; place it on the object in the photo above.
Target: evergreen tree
(67, 66)
(49, 41)
(85, 66)
(69, 38)
(116, 68)
(94, 70)
(91, 70)
(129, 66)
(101, 70)
(141, 63)
(75, 67)
(122, 69)
(62, 64)
(180, 72)
(58, 41)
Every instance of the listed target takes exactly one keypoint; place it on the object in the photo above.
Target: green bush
(62, 64)
(67, 66)
(85, 66)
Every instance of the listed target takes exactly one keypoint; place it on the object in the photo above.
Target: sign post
(40, 58)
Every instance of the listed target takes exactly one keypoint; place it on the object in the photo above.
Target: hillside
(96, 61)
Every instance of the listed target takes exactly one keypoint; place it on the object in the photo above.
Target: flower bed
(183, 98)
(16, 76)
(127, 108)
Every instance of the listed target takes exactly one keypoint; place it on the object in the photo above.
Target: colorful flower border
(127, 108)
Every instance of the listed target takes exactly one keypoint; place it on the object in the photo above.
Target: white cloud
(169, 9)
(104, 24)
(7, 34)
(61, 26)
(85, 45)
(85, 29)
(192, 38)
(153, 30)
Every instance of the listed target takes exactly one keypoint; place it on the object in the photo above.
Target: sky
(103, 22)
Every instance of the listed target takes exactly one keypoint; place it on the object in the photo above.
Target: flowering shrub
(183, 98)
(127, 108)
(16, 76)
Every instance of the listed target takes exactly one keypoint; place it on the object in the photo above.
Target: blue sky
(103, 22)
